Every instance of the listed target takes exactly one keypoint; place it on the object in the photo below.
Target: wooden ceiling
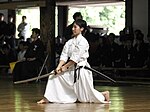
(84, 2)
(14, 4)
(21, 4)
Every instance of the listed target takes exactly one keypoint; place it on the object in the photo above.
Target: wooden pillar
(128, 13)
(148, 35)
(47, 26)
(62, 19)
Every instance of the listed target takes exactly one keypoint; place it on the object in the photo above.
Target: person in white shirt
(69, 85)
(23, 28)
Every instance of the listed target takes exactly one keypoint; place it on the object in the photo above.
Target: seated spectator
(140, 51)
(34, 58)
(22, 50)
(95, 50)
(126, 52)
(148, 58)
(8, 54)
(111, 52)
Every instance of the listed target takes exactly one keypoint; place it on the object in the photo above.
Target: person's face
(34, 35)
(111, 38)
(10, 19)
(23, 19)
(76, 30)
(1, 18)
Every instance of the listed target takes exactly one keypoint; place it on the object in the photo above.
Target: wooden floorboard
(23, 98)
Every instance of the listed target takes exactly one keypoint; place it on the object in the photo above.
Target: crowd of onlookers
(20, 56)
(26, 58)
(125, 50)
(10, 46)
(128, 49)
(7, 40)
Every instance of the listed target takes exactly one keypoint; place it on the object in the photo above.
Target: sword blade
(35, 78)
(101, 74)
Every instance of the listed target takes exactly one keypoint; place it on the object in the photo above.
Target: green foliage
(18, 12)
(112, 16)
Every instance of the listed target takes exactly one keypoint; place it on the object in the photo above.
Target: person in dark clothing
(10, 32)
(111, 52)
(2, 25)
(7, 55)
(127, 51)
(140, 51)
(148, 50)
(68, 34)
(2, 29)
(95, 51)
(34, 58)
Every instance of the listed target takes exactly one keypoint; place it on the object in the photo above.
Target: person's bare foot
(43, 101)
(106, 95)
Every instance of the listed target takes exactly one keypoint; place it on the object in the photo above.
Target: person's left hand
(58, 70)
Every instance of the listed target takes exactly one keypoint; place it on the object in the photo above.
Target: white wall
(140, 15)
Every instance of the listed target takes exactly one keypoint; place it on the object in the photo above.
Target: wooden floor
(23, 98)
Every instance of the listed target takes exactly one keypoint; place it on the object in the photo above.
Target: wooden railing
(120, 69)
(125, 73)
(4, 66)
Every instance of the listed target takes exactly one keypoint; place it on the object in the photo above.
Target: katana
(35, 78)
(54, 73)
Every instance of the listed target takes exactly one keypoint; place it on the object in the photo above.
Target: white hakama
(62, 88)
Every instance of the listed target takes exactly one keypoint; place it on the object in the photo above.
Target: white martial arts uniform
(62, 89)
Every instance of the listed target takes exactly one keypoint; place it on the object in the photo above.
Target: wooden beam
(84, 2)
(41, 3)
(23, 4)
